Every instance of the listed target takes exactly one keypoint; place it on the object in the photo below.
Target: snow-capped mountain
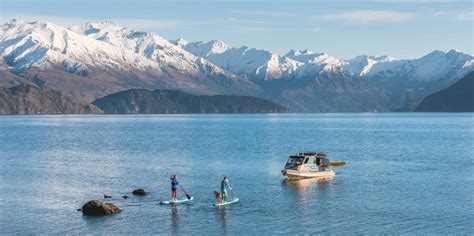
(149, 45)
(179, 42)
(358, 66)
(42, 45)
(411, 80)
(98, 58)
(201, 48)
(432, 67)
(113, 57)
(261, 64)
(403, 79)
(248, 62)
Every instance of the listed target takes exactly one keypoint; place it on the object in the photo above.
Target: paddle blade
(337, 163)
(187, 195)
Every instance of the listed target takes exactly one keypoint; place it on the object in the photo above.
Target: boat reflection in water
(303, 185)
(306, 194)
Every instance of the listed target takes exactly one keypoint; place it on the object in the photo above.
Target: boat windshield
(294, 161)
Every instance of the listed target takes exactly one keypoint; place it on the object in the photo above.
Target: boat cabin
(310, 161)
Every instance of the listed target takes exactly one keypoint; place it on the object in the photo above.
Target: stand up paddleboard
(226, 203)
(177, 201)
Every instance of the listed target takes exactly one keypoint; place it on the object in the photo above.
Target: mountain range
(458, 97)
(98, 58)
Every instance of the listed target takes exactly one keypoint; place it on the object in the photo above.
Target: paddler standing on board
(174, 187)
(224, 185)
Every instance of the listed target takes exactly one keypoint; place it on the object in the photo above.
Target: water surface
(406, 173)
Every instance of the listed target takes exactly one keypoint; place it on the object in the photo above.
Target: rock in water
(140, 191)
(98, 208)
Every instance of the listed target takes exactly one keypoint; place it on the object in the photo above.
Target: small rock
(98, 208)
(107, 196)
(79, 209)
(124, 196)
(140, 192)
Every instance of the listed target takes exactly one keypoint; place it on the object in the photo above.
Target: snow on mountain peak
(361, 65)
(248, 62)
(43, 44)
(383, 58)
(180, 42)
(294, 52)
(308, 56)
(106, 44)
(153, 46)
(205, 49)
(436, 65)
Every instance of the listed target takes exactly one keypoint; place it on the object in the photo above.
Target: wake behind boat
(176, 202)
(309, 165)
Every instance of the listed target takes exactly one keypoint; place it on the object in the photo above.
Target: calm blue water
(406, 173)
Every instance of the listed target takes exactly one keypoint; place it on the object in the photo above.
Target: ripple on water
(406, 173)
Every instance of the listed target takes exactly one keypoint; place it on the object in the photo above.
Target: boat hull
(293, 174)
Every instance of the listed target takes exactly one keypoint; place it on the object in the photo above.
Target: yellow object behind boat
(337, 163)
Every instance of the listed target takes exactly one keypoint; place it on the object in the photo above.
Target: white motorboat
(308, 165)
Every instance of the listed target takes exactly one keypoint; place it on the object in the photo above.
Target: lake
(406, 173)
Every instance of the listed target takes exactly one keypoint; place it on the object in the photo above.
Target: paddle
(337, 163)
(187, 195)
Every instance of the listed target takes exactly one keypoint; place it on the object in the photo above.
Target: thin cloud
(151, 24)
(262, 13)
(140, 24)
(368, 16)
(416, 1)
(465, 16)
(59, 20)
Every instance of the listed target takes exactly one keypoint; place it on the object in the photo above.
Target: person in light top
(224, 185)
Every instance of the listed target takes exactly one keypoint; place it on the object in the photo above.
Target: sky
(399, 28)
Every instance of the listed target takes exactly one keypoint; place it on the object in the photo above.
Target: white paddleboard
(181, 201)
(227, 203)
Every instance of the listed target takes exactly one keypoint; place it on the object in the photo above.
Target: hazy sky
(403, 29)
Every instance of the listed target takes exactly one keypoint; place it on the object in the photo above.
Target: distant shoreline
(274, 113)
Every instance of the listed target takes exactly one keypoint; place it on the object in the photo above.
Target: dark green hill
(459, 97)
(143, 101)
(30, 100)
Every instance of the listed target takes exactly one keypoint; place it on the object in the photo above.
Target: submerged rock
(107, 196)
(98, 208)
(140, 192)
(124, 196)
